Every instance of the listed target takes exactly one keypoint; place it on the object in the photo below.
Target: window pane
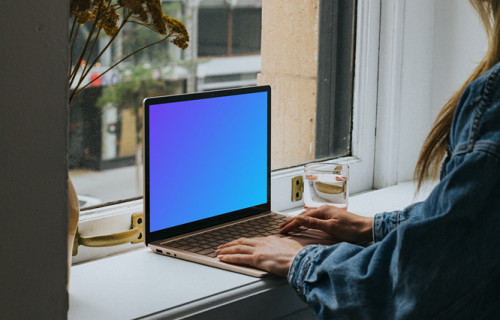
(105, 137)
(104, 153)
(246, 30)
(335, 68)
(213, 31)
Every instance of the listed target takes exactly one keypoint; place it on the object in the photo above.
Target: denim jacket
(436, 259)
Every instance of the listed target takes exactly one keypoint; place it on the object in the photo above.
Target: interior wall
(33, 142)
(416, 83)
(443, 41)
(460, 43)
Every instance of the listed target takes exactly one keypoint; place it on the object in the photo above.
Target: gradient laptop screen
(207, 155)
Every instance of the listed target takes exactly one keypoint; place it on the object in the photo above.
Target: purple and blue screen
(207, 157)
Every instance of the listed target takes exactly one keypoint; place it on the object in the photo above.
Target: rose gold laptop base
(200, 246)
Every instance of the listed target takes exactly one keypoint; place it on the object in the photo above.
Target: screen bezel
(212, 221)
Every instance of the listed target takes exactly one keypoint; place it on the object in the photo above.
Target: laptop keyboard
(206, 243)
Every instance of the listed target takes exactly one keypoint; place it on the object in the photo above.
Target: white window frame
(117, 217)
(389, 94)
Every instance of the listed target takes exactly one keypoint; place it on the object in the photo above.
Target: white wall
(33, 141)
(459, 45)
(416, 83)
(442, 42)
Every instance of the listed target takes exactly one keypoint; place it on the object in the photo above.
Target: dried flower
(78, 6)
(106, 16)
(80, 10)
(103, 14)
(177, 29)
(136, 7)
(156, 12)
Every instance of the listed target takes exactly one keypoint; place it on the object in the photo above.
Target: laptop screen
(206, 157)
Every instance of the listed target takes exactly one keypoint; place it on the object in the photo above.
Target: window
(335, 78)
(104, 153)
(105, 119)
(105, 139)
(228, 31)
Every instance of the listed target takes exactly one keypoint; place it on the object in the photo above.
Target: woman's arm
(439, 262)
(347, 226)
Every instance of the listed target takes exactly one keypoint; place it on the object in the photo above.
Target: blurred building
(223, 52)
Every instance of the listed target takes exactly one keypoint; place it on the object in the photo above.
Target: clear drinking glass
(326, 183)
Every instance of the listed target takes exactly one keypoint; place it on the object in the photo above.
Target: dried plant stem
(72, 41)
(114, 65)
(80, 70)
(88, 65)
(72, 49)
(91, 65)
(73, 29)
(87, 41)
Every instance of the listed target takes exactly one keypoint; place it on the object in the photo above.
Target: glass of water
(326, 183)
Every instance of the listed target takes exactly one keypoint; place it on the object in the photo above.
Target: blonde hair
(434, 148)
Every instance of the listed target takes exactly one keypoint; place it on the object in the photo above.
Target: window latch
(134, 235)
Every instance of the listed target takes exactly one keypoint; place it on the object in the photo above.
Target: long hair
(434, 148)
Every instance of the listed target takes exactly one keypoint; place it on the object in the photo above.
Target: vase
(73, 216)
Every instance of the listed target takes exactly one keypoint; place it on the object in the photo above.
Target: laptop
(207, 173)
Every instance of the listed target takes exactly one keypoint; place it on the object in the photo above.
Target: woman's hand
(271, 253)
(340, 224)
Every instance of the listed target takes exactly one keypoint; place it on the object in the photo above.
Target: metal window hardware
(134, 235)
(297, 188)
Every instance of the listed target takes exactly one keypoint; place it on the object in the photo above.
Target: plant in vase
(94, 26)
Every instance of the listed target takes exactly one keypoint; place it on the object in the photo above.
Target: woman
(435, 259)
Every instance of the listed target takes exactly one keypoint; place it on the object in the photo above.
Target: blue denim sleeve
(385, 222)
(440, 263)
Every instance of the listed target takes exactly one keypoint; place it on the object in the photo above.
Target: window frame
(337, 21)
(117, 217)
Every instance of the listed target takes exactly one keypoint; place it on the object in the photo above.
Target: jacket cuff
(300, 267)
(383, 223)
